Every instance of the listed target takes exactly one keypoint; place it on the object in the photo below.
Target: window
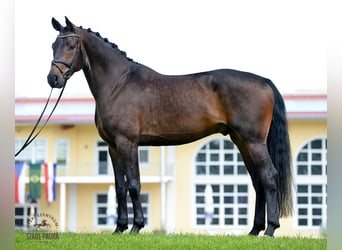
(310, 201)
(104, 164)
(62, 152)
(219, 158)
(230, 204)
(103, 158)
(34, 153)
(144, 155)
(23, 214)
(311, 185)
(101, 209)
(219, 164)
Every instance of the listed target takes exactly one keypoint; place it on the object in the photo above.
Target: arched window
(311, 185)
(218, 164)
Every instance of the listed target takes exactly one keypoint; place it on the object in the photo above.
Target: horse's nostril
(52, 79)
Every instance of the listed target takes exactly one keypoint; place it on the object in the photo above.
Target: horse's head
(67, 54)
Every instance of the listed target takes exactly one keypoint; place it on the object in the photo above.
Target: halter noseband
(67, 74)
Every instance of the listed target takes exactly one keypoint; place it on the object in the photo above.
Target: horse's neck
(104, 66)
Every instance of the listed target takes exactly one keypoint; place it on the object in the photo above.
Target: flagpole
(62, 207)
(32, 214)
(162, 188)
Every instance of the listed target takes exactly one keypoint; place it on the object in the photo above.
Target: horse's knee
(269, 179)
(268, 174)
(134, 188)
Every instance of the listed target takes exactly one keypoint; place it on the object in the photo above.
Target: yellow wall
(154, 213)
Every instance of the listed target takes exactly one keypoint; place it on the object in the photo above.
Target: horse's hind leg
(267, 176)
(260, 203)
(263, 175)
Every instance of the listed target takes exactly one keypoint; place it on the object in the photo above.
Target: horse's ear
(70, 25)
(57, 26)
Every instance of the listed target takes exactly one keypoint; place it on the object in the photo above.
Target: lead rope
(29, 139)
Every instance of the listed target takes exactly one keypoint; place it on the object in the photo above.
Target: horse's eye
(71, 47)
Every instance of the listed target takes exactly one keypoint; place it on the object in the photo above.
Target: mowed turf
(152, 241)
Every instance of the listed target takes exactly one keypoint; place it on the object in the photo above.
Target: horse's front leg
(129, 154)
(134, 188)
(121, 190)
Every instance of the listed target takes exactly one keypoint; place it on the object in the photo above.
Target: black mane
(113, 45)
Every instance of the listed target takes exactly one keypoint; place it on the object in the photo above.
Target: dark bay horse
(136, 105)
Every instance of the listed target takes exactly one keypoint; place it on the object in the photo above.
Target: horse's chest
(104, 127)
(116, 124)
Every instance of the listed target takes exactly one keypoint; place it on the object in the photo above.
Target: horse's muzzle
(55, 81)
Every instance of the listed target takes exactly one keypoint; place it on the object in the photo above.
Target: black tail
(278, 145)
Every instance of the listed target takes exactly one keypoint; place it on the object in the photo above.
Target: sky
(284, 41)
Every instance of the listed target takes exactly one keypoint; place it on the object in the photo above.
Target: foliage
(157, 241)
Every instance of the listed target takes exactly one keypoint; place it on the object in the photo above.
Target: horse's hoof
(136, 228)
(270, 230)
(253, 233)
(120, 229)
(256, 230)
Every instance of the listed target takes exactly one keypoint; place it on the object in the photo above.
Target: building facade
(174, 178)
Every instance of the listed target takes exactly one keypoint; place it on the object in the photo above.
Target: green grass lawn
(151, 241)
